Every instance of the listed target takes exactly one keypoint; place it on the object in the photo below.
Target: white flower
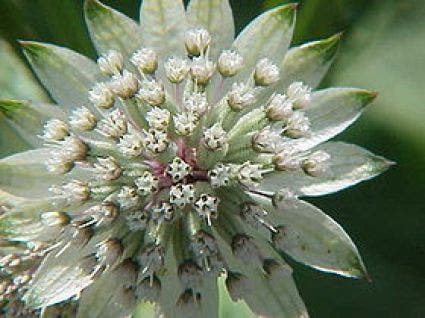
(181, 178)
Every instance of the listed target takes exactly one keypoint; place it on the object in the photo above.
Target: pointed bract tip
(31, 46)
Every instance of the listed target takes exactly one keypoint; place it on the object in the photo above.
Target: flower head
(169, 165)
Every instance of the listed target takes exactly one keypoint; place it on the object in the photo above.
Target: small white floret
(101, 96)
(111, 63)
(266, 72)
(82, 119)
(124, 85)
(202, 70)
(229, 63)
(241, 95)
(197, 41)
(215, 137)
(176, 69)
(146, 60)
(151, 92)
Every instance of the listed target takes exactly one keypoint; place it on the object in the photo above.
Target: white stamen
(197, 41)
(182, 194)
(101, 96)
(241, 96)
(207, 207)
(215, 137)
(125, 85)
(202, 70)
(220, 175)
(185, 123)
(176, 69)
(111, 63)
(229, 63)
(82, 119)
(155, 141)
(178, 169)
(146, 60)
(164, 212)
(114, 126)
(266, 72)
(196, 103)
(147, 183)
(158, 118)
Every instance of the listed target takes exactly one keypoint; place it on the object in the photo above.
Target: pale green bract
(179, 157)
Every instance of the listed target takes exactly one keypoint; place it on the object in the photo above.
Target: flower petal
(308, 63)
(196, 298)
(110, 29)
(110, 296)
(24, 174)
(332, 111)
(27, 117)
(347, 166)
(66, 74)
(163, 25)
(215, 16)
(311, 237)
(59, 278)
(269, 35)
(265, 282)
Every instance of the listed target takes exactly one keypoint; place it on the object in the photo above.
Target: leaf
(24, 174)
(331, 111)
(110, 295)
(269, 35)
(27, 118)
(16, 80)
(308, 63)
(347, 166)
(215, 16)
(67, 75)
(311, 237)
(163, 25)
(110, 29)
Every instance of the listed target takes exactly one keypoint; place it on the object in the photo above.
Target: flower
(181, 156)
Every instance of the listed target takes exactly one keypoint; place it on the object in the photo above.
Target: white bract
(178, 157)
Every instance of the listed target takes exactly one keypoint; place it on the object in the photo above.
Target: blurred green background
(383, 50)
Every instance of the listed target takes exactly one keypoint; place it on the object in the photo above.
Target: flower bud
(279, 108)
(242, 95)
(197, 41)
(229, 63)
(111, 63)
(202, 70)
(176, 69)
(215, 137)
(82, 119)
(101, 96)
(125, 85)
(55, 130)
(297, 126)
(266, 73)
(146, 60)
(152, 93)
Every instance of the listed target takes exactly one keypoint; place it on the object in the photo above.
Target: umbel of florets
(178, 158)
